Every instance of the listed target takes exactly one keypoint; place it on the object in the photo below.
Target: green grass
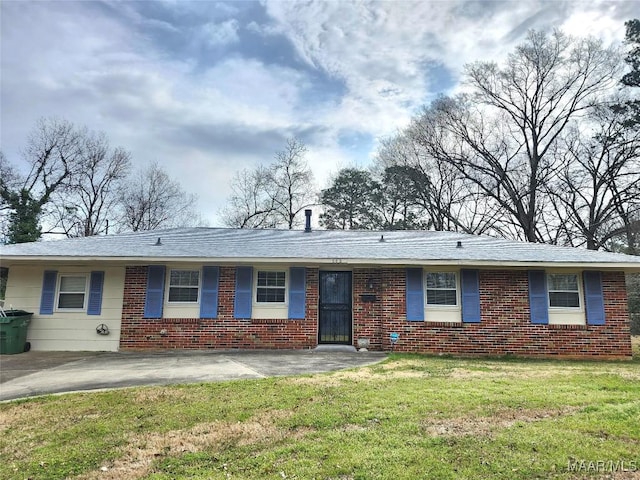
(408, 417)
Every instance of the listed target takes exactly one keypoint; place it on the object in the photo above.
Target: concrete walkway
(38, 373)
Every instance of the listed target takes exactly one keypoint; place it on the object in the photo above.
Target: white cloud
(203, 118)
(220, 34)
(610, 30)
(265, 29)
(381, 49)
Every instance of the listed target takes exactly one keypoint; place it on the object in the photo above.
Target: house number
(336, 260)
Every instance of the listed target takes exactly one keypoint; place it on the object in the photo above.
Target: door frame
(336, 270)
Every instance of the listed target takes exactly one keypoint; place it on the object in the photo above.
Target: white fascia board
(337, 262)
(509, 264)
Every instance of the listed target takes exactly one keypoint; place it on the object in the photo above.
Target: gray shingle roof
(319, 246)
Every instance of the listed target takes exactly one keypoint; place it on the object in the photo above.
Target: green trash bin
(13, 331)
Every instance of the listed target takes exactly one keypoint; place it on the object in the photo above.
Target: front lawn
(409, 417)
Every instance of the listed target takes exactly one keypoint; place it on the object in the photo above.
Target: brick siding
(222, 332)
(505, 327)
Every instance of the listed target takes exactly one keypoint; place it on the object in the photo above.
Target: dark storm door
(335, 308)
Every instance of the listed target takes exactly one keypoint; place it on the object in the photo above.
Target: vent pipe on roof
(381, 238)
(307, 225)
(459, 244)
(158, 243)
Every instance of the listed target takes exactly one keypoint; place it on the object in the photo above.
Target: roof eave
(625, 266)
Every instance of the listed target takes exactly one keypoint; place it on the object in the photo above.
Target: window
(72, 292)
(271, 287)
(563, 290)
(442, 288)
(184, 286)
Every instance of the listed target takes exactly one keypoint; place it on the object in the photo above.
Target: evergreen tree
(632, 78)
(24, 218)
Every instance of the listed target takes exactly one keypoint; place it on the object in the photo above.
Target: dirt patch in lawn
(147, 395)
(142, 450)
(537, 370)
(410, 369)
(335, 379)
(21, 414)
(486, 426)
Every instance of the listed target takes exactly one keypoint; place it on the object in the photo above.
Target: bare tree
(272, 196)
(598, 189)
(507, 129)
(290, 182)
(249, 205)
(9, 182)
(488, 159)
(90, 201)
(53, 153)
(8, 174)
(152, 200)
(446, 200)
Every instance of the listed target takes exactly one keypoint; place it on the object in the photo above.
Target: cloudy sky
(208, 88)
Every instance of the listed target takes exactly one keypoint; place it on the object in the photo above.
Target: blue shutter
(94, 307)
(470, 286)
(244, 286)
(297, 292)
(209, 294)
(414, 295)
(48, 297)
(538, 300)
(155, 291)
(594, 300)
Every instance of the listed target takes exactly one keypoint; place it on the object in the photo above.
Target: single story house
(411, 291)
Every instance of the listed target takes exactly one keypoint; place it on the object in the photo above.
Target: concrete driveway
(38, 373)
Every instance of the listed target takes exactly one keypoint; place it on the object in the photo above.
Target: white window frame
(60, 292)
(169, 286)
(285, 288)
(428, 305)
(580, 306)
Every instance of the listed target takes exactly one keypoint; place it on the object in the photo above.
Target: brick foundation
(505, 327)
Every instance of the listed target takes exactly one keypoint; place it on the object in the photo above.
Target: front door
(335, 308)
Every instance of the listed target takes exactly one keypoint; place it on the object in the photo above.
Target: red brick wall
(223, 332)
(505, 327)
(374, 320)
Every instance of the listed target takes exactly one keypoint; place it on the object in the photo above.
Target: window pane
(441, 280)
(563, 290)
(441, 288)
(183, 294)
(564, 299)
(271, 279)
(271, 287)
(187, 278)
(441, 297)
(72, 284)
(71, 300)
(270, 295)
(563, 282)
